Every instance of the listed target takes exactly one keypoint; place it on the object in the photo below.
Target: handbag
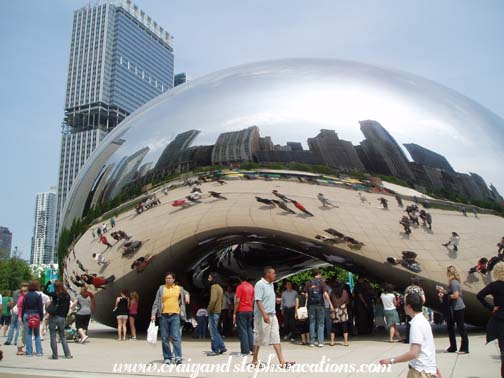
(302, 313)
(33, 321)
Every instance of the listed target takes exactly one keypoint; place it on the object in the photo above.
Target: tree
(13, 271)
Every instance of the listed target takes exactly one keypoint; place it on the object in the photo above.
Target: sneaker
(133, 338)
(7, 343)
(39, 355)
(167, 361)
(312, 345)
(178, 362)
(212, 353)
(69, 357)
(222, 351)
(320, 345)
(53, 357)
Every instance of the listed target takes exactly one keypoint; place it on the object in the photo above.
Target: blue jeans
(169, 326)
(244, 322)
(202, 326)
(217, 343)
(328, 322)
(14, 326)
(29, 333)
(316, 314)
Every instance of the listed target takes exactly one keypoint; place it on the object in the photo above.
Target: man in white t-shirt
(422, 353)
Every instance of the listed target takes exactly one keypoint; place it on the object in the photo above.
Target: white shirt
(99, 258)
(45, 300)
(388, 301)
(454, 240)
(421, 334)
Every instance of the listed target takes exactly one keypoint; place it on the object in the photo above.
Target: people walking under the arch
(500, 247)
(104, 241)
(384, 202)
(302, 322)
(266, 328)
(5, 319)
(281, 196)
(495, 326)
(316, 291)
(390, 304)
(324, 201)
(399, 200)
(339, 316)
(85, 304)
(288, 308)
(243, 316)
(363, 306)
(300, 207)
(121, 311)
(104, 228)
(169, 308)
(422, 353)
(226, 317)
(32, 314)
(112, 222)
(133, 313)
(413, 288)
(405, 222)
(202, 320)
(58, 311)
(456, 311)
(216, 195)
(283, 206)
(214, 310)
(453, 241)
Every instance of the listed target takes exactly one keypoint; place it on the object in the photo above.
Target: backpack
(33, 321)
(315, 294)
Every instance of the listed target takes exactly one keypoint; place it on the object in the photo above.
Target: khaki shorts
(413, 373)
(264, 333)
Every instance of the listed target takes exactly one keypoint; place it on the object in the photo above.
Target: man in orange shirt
(243, 316)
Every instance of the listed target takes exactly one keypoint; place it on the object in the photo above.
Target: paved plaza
(97, 357)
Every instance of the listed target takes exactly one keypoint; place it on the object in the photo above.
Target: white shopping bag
(152, 333)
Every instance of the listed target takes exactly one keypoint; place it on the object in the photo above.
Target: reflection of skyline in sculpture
(292, 100)
(171, 154)
(236, 146)
(424, 156)
(126, 171)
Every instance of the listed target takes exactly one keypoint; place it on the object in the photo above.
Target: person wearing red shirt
(104, 241)
(243, 316)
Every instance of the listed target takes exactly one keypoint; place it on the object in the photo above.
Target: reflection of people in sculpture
(141, 263)
(301, 208)
(362, 198)
(399, 200)
(324, 201)
(500, 246)
(283, 206)
(454, 241)
(97, 281)
(217, 195)
(384, 202)
(131, 246)
(406, 224)
(281, 196)
(266, 201)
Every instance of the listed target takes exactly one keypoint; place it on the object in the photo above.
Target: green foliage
(13, 271)
(329, 272)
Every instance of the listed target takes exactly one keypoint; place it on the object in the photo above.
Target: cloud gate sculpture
(300, 128)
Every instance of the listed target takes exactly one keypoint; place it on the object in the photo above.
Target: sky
(455, 43)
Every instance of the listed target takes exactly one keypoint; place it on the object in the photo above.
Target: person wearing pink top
(133, 311)
(21, 340)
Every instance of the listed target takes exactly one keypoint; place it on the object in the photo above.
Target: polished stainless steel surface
(291, 100)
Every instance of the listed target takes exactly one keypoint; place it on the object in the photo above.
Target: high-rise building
(120, 58)
(180, 78)
(424, 156)
(381, 153)
(44, 229)
(295, 146)
(334, 152)
(236, 146)
(5, 242)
